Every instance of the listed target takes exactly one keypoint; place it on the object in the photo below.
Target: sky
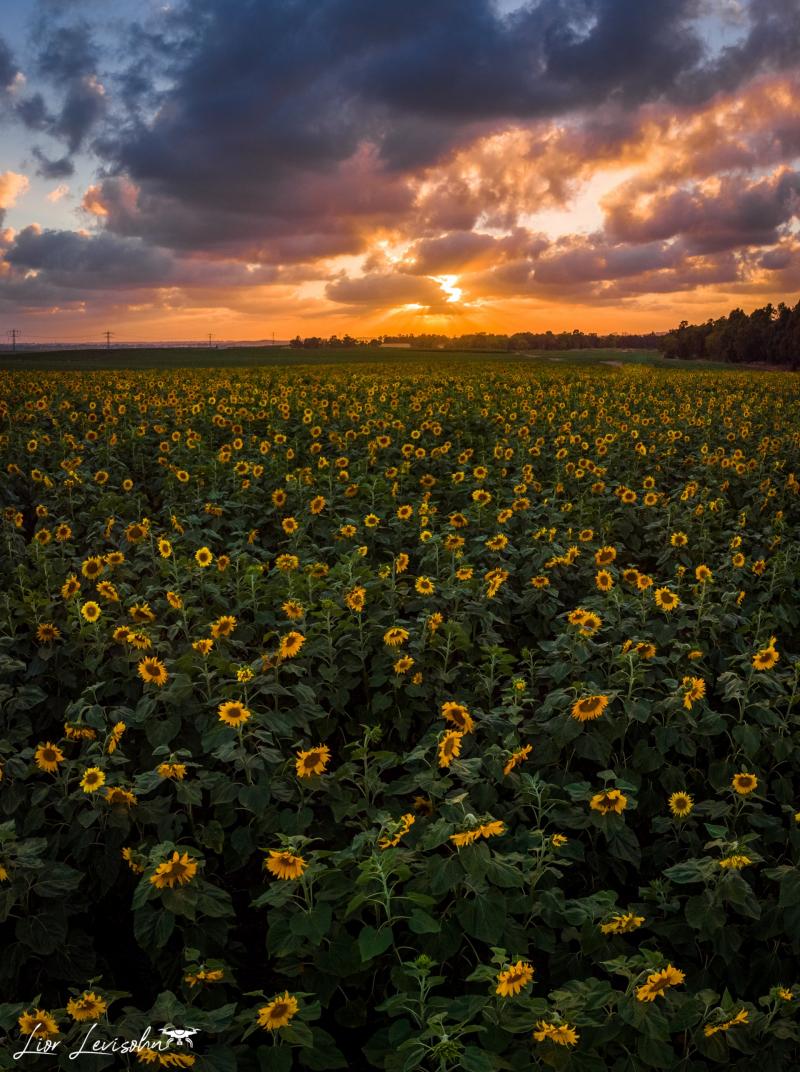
(174, 168)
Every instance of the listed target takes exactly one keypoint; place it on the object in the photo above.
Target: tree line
(482, 340)
(769, 335)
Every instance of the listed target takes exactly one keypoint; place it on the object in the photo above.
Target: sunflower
(766, 658)
(744, 783)
(512, 980)
(604, 556)
(622, 923)
(233, 713)
(132, 861)
(91, 611)
(115, 794)
(659, 982)
(603, 580)
(590, 623)
(164, 548)
(702, 573)
(175, 772)
(589, 708)
(203, 557)
(142, 613)
(679, 539)
(136, 531)
(152, 671)
(425, 586)
(694, 689)
(278, 1012)
(465, 837)
(313, 761)
(93, 778)
(680, 804)
(48, 756)
(87, 1007)
(174, 600)
(741, 1017)
(92, 567)
(561, 1034)
(450, 747)
(107, 590)
(395, 636)
(39, 1023)
(203, 646)
(47, 633)
(285, 865)
(179, 871)
(665, 599)
(76, 731)
(223, 626)
(115, 737)
(293, 610)
(137, 639)
(458, 715)
(610, 800)
(398, 830)
(291, 644)
(492, 829)
(517, 757)
(735, 862)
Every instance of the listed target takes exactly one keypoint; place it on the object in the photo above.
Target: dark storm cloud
(772, 43)
(287, 131)
(74, 261)
(741, 212)
(8, 68)
(67, 60)
(62, 168)
(262, 104)
(66, 53)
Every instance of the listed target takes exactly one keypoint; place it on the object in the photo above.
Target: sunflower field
(400, 717)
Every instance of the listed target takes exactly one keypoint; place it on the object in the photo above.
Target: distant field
(246, 356)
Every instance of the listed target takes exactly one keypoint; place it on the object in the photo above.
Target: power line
(108, 335)
(14, 334)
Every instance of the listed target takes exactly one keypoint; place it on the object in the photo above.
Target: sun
(449, 287)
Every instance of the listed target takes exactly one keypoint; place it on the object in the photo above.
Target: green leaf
(372, 942)
(421, 923)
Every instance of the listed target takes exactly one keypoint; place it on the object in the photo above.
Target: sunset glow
(532, 168)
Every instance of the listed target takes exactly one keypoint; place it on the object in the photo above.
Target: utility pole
(210, 337)
(14, 335)
(108, 335)
(273, 338)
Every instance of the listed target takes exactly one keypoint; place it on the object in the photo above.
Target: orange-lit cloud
(540, 170)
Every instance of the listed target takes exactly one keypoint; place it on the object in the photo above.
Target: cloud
(8, 68)
(390, 289)
(728, 213)
(340, 154)
(80, 261)
(12, 186)
(60, 192)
